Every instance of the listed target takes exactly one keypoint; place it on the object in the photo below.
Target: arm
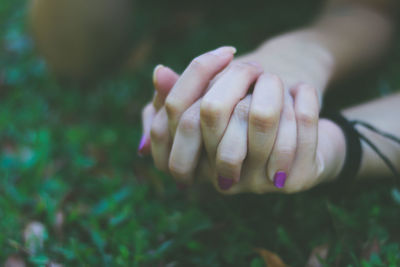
(347, 37)
(329, 143)
(383, 114)
(330, 148)
(314, 56)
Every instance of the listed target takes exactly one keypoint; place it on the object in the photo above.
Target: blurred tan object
(14, 261)
(81, 40)
(270, 258)
(318, 255)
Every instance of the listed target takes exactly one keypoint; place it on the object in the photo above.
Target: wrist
(331, 149)
(296, 57)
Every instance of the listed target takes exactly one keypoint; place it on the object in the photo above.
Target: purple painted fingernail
(280, 179)
(141, 145)
(224, 183)
(181, 186)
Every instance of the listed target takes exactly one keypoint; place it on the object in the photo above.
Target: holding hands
(240, 127)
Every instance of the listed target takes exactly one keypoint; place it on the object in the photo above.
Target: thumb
(331, 149)
(164, 79)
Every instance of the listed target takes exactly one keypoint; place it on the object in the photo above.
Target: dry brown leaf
(319, 252)
(270, 258)
(14, 261)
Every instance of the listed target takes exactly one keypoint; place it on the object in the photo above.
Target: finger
(284, 149)
(232, 149)
(306, 111)
(331, 150)
(217, 105)
(160, 140)
(164, 79)
(187, 145)
(194, 81)
(265, 112)
(147, 117)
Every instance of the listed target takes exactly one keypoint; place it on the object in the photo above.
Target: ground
(68, 159)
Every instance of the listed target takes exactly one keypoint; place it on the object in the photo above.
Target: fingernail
(222, 51)
(224, 183)
(155, 72)
(181, 186)
(280, 179)
(142, 143)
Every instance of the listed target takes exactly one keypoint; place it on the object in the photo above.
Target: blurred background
(74, 76)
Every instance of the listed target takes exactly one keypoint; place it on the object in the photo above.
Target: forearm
(384, 115)
(356, 35)
(341, 41)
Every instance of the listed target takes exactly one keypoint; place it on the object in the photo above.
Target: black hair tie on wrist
(352, 161)
(353, 144)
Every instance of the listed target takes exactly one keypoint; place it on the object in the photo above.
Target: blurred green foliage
(70, 152)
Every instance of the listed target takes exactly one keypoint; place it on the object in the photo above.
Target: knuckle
(285, 152)
(189, 122)
(308, 89)
(245, 68)
(211, 111)
(306, 118)
(199, 65)
(173, 107)
(240, 66)
(264, 119)
(228, 162)
(177, 170)
(274, 78)
(289, 115)
(242, 110)
(158, 134)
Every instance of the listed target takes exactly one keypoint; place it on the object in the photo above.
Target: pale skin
(271, 139)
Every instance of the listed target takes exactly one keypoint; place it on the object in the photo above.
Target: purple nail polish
(181, 186)
(280, 179)
(141, 145)
(224, 183)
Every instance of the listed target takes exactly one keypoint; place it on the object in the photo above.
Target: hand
(187, 144)
(247, 163)
(270, 143)
(178, 112)
(164, 79)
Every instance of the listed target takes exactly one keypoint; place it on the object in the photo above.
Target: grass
(71, 153)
